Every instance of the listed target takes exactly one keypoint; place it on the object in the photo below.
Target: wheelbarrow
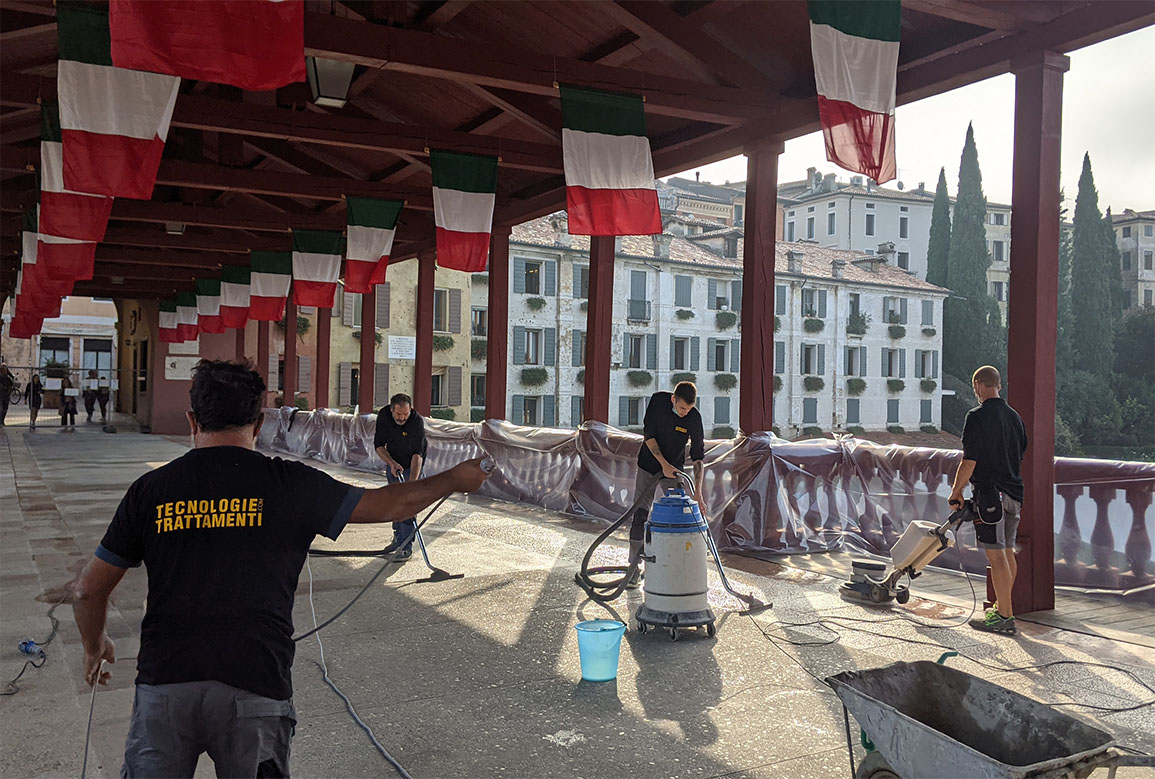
(928, 720)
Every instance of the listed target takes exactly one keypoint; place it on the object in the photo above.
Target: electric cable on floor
(40, 654)
(332, 685)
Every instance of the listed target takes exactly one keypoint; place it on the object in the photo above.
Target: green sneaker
(992, 609)
(993, 622)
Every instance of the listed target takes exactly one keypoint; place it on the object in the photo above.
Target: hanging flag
(258, 46)
(855, 50)
(464, 187)
(209, 306)
(372, 225)
(61, 261)
(29, 258)
(25, 325)
(269, 285)
(34, 301)
(63, 212)
(609, 170)
(169, 325)
(316, 266)
(187, 327)
(113, 121)
(235, 295)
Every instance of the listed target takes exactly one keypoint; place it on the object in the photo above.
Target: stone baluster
(1102, 537)
(1138, 546)
(1068, 569)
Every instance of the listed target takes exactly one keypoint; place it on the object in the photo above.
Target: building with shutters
(396, 325)
(1135, 237)
(677, 302)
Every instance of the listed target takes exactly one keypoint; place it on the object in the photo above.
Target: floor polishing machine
(916, 548)
(676, 589)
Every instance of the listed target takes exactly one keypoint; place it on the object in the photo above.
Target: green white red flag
(316, 266)
(113, 121)
(186, 316)
(235, 295)
(609, 170)
(855, 48)
(169, 324)
(464, 191)
(372, 226)
(258, 45)
(209, 306)
(272, 273)
(63, 212)
(63, 260)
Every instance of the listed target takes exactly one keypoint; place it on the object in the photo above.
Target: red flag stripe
(113, 165)
(613, 211)
(468, 252)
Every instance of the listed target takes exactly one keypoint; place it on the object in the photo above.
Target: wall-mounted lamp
(329, 81)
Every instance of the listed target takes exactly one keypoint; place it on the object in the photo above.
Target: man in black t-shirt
(670, 423)
(400, 442)
(223, 532)
(994, 440)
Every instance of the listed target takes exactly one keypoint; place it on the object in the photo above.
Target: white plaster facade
(1135, 236)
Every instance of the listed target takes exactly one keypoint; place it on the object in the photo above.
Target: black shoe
(636, 580)
(401, 555)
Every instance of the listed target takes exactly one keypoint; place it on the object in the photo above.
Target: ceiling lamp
(329, 81)
(174, 228)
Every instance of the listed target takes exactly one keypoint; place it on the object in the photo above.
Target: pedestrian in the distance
(7, 382)
(33, 396)
(67, 404)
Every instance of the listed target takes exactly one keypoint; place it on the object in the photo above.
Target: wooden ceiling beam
(202, 260)
(1003, 18)
(427, 54)
(24, 33)
(224, 218)
(194, 239)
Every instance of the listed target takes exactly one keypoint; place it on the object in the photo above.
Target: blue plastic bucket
(599, 646)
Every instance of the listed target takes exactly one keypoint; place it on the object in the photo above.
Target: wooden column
(1031, 319)
(423, 365)
(321, 374)
(497, 344)
(290, 377)
(756, 379)
(263, 354)
(366, 373)
(239, 349)
(599, 326)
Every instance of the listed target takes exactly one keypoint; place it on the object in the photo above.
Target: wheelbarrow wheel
(875, 767)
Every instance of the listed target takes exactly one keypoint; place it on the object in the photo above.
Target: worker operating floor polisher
(676, 587)
(915, 549)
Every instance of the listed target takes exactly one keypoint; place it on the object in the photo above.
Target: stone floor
(480, 676)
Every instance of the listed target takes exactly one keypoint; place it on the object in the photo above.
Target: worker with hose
(223, 532)
(994, 441)
(400, 441)
(670, 423)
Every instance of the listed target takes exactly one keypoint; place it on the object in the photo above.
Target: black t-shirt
(401, 441)
(671, 432)
(995, 438)
(223, 532)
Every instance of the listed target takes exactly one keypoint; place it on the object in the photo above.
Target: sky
(1108, 111)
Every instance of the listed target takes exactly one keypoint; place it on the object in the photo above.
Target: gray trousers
(644, 489)
(245, 734)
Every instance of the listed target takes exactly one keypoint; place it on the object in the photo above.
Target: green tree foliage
(938, 248)
(1135, 376)
(970, 312)
(1090, 285)
(1112, 267)
(1065, 340)
(1086, 402)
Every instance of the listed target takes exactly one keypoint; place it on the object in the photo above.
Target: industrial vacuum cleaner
(676, 588)
(915, 549)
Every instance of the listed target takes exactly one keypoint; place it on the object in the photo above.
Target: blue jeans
(405, 529)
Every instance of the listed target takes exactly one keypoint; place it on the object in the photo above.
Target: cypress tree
(938, 247)
(1090, 285)
(1065, 340)
(1111, 266)
(967, 317)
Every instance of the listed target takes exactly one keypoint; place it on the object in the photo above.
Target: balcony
(638, 310)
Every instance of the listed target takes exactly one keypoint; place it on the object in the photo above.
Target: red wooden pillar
(239, 349)
(756, 379)
(497, 345)
(1031, 320)
(290, 377)
(599, 325)
(263, 353)
(321, 374)
(366, 375)
(423, 365)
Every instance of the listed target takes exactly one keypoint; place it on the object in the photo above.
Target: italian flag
(316, 266)
(186, 316)
(609, 171)
(209, 306)
(29, 265)
(464, 190)
(63, 260)
(169, 325)
(235, 295)
(113, 121)
(269, 282)
(372, 225)
(257, 45)
(63, 212)
(855, 49)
